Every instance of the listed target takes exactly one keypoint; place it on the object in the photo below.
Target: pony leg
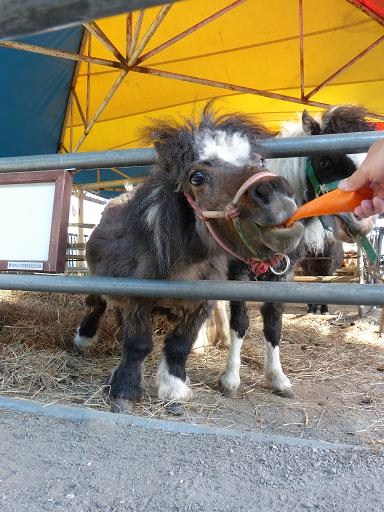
(324, 309)
(86, 335)
(215, 330)
(125, 382)
(276, 379)
(223, 335)
(312, 309)
(171, 374)
(202, 339)
(229, 381)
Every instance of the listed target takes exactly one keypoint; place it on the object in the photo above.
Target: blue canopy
(34, 92)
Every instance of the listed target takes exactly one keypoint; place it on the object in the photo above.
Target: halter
(257, 264)
(322, 188)
(319, 188)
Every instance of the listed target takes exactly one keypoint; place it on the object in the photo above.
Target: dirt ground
(49, 465)
(335, 363)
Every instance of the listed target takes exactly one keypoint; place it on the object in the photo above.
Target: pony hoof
(84, 352)
(285, 393)
(229, 393)
(121, 405)
(175, 409)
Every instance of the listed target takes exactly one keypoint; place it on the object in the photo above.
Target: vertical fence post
(360, 266)
(80, 220)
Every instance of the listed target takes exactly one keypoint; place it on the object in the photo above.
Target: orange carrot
(337, 201)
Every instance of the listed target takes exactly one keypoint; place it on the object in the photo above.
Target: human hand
(371, 174)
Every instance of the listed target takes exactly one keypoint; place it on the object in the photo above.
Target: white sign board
(34, 209)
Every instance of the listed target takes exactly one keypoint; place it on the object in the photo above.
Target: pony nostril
(261, 193)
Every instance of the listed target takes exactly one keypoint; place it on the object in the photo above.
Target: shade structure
(267, 58)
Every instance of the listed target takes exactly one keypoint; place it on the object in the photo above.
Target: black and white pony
(323, 174)
(317, 237)
(209, 183)
(323, 263)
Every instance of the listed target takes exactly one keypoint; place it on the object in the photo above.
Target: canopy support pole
(52, 52)
(189, 31)
(301, 34)
(101, 108)
(238, 88)
(136, 33)
(148, 35)
(346, 66)
(96, 31)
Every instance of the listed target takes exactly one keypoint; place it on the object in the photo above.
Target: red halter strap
(231, 212)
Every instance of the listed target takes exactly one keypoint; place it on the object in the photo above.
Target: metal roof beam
(235, 87)
(23, 17)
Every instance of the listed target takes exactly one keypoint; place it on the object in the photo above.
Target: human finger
(356, 181)
(378, 205)
(365, 209)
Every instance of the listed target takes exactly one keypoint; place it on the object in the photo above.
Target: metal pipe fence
(358, 142)
(352, 294)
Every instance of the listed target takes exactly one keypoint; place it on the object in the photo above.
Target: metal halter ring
(287, 265)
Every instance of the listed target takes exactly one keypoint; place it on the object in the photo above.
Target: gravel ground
(55, 465)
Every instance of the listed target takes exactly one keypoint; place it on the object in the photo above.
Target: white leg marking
(111, 376)
(82, 342)
(223, 335)
(201, 341)
(230, 379)
(273, 372)
(170, 387)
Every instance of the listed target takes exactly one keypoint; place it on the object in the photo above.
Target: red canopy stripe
(375, 6)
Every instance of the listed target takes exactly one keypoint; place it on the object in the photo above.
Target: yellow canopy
(263, 57)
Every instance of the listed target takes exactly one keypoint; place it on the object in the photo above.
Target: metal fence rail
(252, 291)
(358, 142)
(350, 294)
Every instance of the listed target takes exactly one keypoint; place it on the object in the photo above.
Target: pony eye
(324, 163)
(197, 178)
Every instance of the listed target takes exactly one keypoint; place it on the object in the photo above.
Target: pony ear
(161, 136)
(158, 147)
(310, 125)
(162, 150)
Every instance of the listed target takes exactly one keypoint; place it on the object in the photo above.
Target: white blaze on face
(357, 158)
(232, 148)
